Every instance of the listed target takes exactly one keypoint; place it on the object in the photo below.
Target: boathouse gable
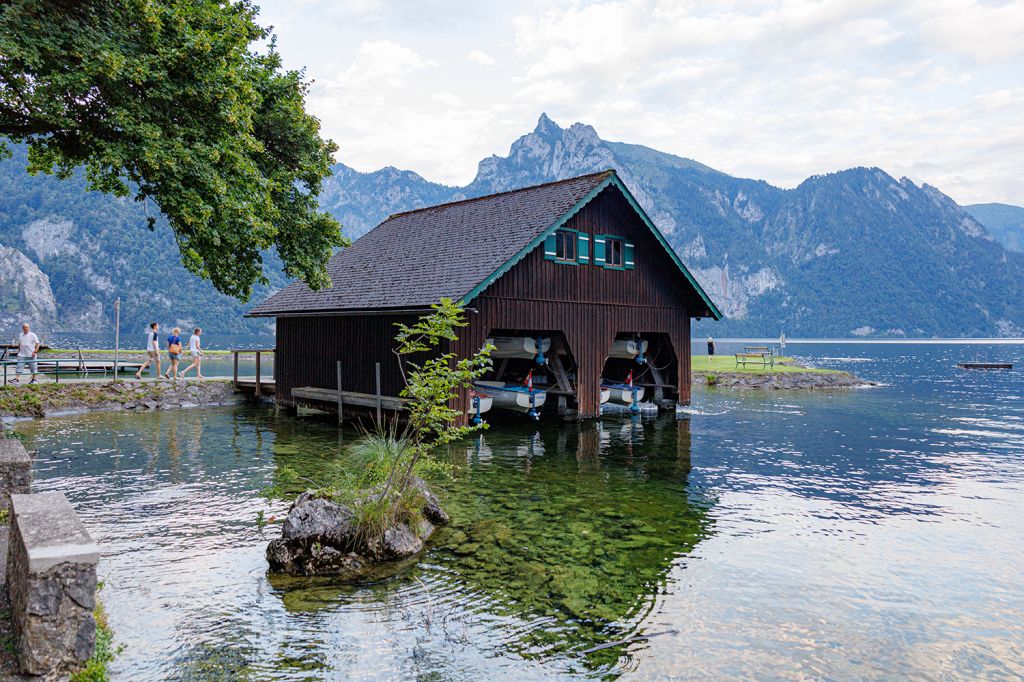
(649, 276)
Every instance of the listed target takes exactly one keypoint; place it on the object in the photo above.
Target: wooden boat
(529, 347)
(478, 404)
(515, 397)
(985, 365)
(629, 349)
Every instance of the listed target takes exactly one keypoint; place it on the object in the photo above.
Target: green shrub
(95, 669)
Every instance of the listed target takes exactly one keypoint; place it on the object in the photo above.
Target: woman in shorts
(174, 351)
(195, 350)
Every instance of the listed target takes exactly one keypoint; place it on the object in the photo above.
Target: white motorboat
(606, 394)
(629, 349)
(529, 347)
(623, 394)
(478, 404)
(515, 397)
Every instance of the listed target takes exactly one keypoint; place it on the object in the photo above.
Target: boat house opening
(576, 288)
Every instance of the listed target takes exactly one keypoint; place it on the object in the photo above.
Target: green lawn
(727, 363)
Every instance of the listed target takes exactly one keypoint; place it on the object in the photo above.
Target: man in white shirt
(28, 351)
(152, 350)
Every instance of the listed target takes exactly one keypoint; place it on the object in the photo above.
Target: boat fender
(640, 359)
(540, 359)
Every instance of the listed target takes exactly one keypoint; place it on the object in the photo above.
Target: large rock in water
(319, 537)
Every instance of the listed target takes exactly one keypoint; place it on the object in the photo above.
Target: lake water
(874, 533)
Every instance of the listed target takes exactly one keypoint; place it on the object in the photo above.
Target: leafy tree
(170, 100)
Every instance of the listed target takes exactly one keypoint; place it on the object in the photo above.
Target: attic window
(614, 250)
(565, 245)
(613, 253)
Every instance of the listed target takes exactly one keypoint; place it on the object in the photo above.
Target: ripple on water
(833, 535)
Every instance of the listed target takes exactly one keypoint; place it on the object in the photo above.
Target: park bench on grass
(762, 359)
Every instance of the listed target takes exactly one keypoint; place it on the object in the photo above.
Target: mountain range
(1005, 222)
(851, 253)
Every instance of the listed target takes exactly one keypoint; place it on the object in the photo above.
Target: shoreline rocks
(53, 400)
(321, 537)
(781, 380)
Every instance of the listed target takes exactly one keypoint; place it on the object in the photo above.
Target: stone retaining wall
(15, 470)
(68, 398)
(51, 574)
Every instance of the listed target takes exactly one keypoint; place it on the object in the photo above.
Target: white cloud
(779, 90)
(480, 57)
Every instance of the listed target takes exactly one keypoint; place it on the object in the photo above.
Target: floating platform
(985, 365)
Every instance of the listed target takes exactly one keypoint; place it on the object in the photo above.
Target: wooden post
(234, 379)
(257, 374)
(340, 407)
(659, 378)
(379, 407)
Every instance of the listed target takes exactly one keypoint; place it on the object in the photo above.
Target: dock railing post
(257, 374)
(379, 399)
(340, 402)
(234, 376)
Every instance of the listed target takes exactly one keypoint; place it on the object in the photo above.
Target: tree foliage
(431, 384)
(171, 100)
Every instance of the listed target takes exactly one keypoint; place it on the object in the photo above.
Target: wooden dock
(258, 385)
(347, 398)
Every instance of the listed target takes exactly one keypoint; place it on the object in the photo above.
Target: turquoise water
(873, 533)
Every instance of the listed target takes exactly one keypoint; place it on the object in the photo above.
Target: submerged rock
(320, 537)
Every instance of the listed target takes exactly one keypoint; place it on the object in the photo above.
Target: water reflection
(861, 534)
(564, 536)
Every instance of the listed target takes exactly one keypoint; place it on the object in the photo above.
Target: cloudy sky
(931, 89)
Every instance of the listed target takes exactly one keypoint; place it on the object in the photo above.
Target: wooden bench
(757, 349)
(762, 359)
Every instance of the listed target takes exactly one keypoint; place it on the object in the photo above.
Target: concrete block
(51, 573)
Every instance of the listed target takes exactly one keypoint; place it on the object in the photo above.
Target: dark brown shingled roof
(414, 259)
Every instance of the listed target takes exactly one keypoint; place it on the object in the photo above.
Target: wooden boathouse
(576, 260)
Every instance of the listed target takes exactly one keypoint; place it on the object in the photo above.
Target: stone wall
(15, 470)
(51, 573)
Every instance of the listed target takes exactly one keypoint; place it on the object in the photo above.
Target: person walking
(196, 352)
(711, 346)
(152, 350)
(28, 351)
(174, 352)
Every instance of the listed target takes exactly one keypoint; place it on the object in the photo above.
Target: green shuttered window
(567, 247)
(571, 247)
(614, 253)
